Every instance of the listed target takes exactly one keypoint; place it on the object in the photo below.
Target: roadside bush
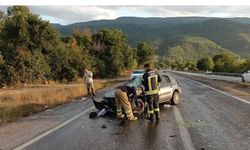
(227, 62)
(205, 64)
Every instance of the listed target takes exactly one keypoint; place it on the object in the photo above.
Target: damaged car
(169, 92)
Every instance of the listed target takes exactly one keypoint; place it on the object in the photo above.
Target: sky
(71, 14)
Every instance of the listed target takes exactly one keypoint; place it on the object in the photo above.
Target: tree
(129, 58)
(227, 62)
(2, 18)
(110, 47)
(205, 63)
(82, 39)
(25, 39)
(246, 65)
(31, 50)
(81, 47)
(145, 53)
(167, 63)
(160, 63)
(190, 65)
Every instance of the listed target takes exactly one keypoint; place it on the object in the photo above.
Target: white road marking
(51, 130)
(185, 137)
(245, 101)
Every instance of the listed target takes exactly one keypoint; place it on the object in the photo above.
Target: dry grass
(19, 103)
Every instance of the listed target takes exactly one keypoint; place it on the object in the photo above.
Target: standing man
(150, 80)
(88, 79)
(121, 99)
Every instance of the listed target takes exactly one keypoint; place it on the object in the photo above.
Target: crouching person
(122, 94)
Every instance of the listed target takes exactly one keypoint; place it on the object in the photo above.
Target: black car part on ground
(107, 106)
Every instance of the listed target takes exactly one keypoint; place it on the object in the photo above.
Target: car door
(165, 89)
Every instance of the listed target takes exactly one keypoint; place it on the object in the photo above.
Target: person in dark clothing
(122, 94)
(150, 81)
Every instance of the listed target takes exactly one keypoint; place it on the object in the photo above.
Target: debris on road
(82, 126)
(173, 136)
(123, 123)
(186, 101)
(104, 126)
(92, 115)
(118, 133)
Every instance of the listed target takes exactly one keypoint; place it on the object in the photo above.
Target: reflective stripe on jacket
(150, 82)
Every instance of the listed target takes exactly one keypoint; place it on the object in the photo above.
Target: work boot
(151, 118)
(122, 116)
(157, 116)
(132, 118)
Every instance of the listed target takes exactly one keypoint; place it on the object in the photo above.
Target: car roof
(161, 74)
(141, 70)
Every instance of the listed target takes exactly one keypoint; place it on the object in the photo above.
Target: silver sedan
(169, 88)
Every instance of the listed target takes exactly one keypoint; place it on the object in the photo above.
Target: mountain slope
(193, 48)
(227, 34)
(163, 33)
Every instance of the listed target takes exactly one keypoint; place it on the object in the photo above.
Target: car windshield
(138, 72)
(135, 82)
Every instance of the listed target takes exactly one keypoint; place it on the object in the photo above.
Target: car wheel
(140, 106)
(243, 79)
(175, 98)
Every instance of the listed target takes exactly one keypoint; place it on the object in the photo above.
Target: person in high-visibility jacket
(150, 81)
(121, 99)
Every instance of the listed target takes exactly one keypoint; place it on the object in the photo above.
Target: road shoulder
(24, 129)
(241, 90)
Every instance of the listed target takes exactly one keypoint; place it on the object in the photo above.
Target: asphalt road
(205, 119)
(217, 77)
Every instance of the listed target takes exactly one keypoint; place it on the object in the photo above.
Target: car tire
(243, 79)
(140, 106)
(175, 98)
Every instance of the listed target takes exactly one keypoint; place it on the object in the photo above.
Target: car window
(163, 81)
(138, 82)
(167, 79)
(138, 72)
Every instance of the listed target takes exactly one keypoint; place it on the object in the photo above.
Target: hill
(232, 34)
(193, 48)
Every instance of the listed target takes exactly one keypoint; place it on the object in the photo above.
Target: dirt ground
(241, 90)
